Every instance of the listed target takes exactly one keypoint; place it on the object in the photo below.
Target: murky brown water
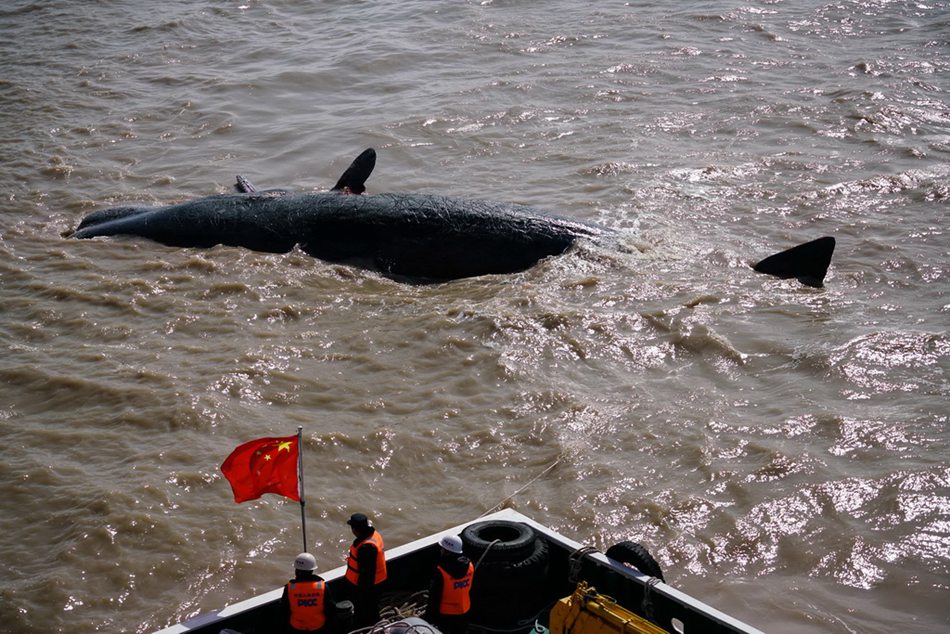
(782, 450)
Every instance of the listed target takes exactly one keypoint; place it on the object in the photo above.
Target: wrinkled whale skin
(414, 236)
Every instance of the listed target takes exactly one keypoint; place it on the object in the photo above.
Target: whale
(415, 238)
(400, 235)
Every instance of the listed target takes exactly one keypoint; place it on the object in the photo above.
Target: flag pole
(303, 516)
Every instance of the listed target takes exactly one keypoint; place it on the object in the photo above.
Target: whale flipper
(807, 262)
(354, 178)
(244, 186)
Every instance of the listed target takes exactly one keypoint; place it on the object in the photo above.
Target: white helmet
(452, 544)
(305, 561)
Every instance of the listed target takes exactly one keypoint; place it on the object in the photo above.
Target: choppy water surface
(782, 450)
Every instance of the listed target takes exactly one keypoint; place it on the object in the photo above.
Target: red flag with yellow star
(265, 465)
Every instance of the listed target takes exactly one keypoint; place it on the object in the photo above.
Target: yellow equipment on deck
(586, 612)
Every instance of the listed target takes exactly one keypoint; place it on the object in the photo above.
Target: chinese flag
(265, 465)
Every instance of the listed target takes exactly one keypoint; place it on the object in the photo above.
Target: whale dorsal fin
(354, 178)
(807, 262)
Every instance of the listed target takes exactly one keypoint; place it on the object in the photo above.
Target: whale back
(401, 235)
(438, 238)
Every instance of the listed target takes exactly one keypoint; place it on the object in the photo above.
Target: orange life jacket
(352, 565)
(455, 599)
(306, 604)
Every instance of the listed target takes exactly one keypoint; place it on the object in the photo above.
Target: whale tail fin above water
(808, 262)
(354, 178)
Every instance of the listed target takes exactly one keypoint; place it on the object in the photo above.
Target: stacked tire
(509, 581)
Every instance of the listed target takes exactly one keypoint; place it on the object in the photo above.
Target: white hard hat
(452, 544)
(305, 561)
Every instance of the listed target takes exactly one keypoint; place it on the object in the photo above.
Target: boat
(528, 579)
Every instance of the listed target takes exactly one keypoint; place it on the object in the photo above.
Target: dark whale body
(415, 236)
(409, 237)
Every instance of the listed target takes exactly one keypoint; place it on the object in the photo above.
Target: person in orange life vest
(365, 570)
(306, 605)
(449, 601)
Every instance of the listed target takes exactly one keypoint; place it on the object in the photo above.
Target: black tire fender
(515, 541)
(634, 554)
(507, 584)
(518, 572)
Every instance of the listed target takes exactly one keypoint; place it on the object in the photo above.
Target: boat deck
(410, 568)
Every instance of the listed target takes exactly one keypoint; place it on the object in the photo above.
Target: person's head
(359, 523)
(451, 545)
(304, 565)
